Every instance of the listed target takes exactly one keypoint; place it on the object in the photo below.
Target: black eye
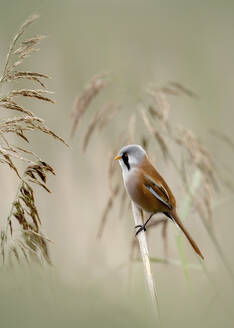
(125, 160)
(125, 155)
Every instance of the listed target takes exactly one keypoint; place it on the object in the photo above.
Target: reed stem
(150, 286)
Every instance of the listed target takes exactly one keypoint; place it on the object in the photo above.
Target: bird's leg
(143, 226)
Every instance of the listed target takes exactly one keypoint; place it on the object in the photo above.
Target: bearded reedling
(147, 189)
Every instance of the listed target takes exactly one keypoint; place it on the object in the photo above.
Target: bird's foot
(141, 228)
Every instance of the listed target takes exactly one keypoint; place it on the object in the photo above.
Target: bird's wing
(157, 190)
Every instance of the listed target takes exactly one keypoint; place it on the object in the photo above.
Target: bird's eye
(125, 155)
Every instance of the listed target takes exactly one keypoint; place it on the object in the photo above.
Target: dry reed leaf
(96, 84)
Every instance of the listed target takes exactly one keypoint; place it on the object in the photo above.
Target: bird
(148, 190)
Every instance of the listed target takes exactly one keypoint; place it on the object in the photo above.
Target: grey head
(130, 156)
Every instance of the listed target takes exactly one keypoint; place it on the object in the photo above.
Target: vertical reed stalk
(150, 286)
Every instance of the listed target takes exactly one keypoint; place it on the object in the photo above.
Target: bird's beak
(117, 157)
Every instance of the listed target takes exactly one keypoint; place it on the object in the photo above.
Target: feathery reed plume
(15, 57)
(23, 222)
(22, 236)
(31, 93)
(95, 85)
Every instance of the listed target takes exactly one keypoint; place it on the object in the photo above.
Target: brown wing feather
(156, 181)
(158, 191)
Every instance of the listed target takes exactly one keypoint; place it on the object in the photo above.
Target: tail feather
(178, 222)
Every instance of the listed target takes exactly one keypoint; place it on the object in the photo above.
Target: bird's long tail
(178, 222)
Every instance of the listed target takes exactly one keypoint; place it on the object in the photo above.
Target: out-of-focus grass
(186, 41)
(40, 298)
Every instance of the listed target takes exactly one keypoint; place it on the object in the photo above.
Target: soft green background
(140, 42)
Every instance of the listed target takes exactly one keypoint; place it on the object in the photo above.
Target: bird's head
(130, 156)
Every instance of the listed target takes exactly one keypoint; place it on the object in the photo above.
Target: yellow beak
(117, 157)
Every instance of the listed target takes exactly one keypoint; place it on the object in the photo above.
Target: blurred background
(138, 42)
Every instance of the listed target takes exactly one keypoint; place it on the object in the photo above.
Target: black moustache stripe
(125, 160)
